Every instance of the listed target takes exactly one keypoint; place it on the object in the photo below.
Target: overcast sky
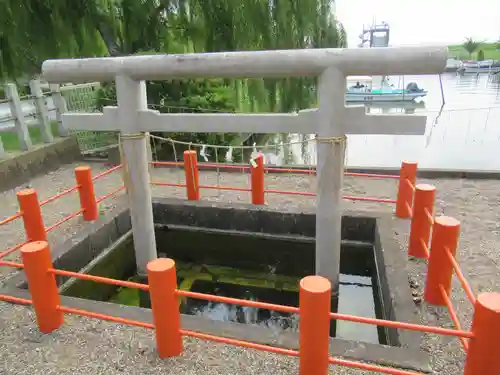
(423, 21)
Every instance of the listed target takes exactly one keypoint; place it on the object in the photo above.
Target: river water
(463, 135)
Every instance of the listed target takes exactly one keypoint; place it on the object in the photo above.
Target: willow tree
(221, 25)
(34, 30)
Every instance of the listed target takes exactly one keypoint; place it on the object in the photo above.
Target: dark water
(356, 297)
(463, 135)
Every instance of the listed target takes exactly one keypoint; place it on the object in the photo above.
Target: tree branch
(108, 37)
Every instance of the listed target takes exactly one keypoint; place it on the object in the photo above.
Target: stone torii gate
(331, 121)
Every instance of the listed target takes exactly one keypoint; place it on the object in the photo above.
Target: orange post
(440, 271)
(422, 220)
(191, 171)
(165, 305)
(483, 356)
(42, 285)
(87, 195)
(407, 180)
(32, 215)
(314, 326)
(257, 179)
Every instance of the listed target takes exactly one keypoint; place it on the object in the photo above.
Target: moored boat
(478, 67)
(363, 92)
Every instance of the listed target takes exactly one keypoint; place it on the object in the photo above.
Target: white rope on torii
(332, 120)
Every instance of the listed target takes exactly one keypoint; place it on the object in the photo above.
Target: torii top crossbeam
(279, 63)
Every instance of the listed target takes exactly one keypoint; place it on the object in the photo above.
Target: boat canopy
(359, 78)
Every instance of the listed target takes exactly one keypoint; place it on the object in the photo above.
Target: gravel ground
(85, 346)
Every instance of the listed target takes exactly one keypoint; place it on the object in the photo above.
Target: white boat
(478, 70)
(478, 67)
(363, 92)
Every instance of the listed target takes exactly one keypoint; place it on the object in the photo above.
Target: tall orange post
(257, 179)
(42, 285)
(314, 326)
(407, 180)
(440, 271)
(422, 220)
(191, 171)
(483, 356)
(87, 195)
(165, 305)
(32, 215)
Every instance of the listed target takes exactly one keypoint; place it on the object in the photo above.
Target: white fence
(36, 117)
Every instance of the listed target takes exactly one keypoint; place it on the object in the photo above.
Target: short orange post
(314, 326)
(422, 220)
(483, 356)
(407, 180)
(87, 195)
(257, 179)
(42, 285)
(32, 215)
(165, 305)
(191, 171)
(440, 271)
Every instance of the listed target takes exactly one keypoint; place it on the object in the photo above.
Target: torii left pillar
(330, 173)
(131, 96)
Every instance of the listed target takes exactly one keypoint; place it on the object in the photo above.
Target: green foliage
(126, 296)
(490, 51)
(200, 94)
(10, 138)
(480, 55)
(22, 90)
(33, 30)
(106, 95)
(178, 96)
(471, 46)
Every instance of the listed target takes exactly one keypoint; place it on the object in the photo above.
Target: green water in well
(356, 297)
(245, 267)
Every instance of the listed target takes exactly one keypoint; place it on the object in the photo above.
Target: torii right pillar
(331, 146)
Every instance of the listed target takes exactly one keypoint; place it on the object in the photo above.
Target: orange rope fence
(109, 195)
(439, 249)
(404, 201)
(3, 254)
(368, 367)
(31, 213)
(460, 276)
(99, 279)
(63, 220)
(36, 230)
(59, 195)
(11, 218)
(453, 315)
(434, 239)
(105, 173)
(108, 318)
(244, 344)
(243, 167)
(314, 310)
(406, 189)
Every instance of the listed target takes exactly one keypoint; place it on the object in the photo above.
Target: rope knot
(333, 140)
